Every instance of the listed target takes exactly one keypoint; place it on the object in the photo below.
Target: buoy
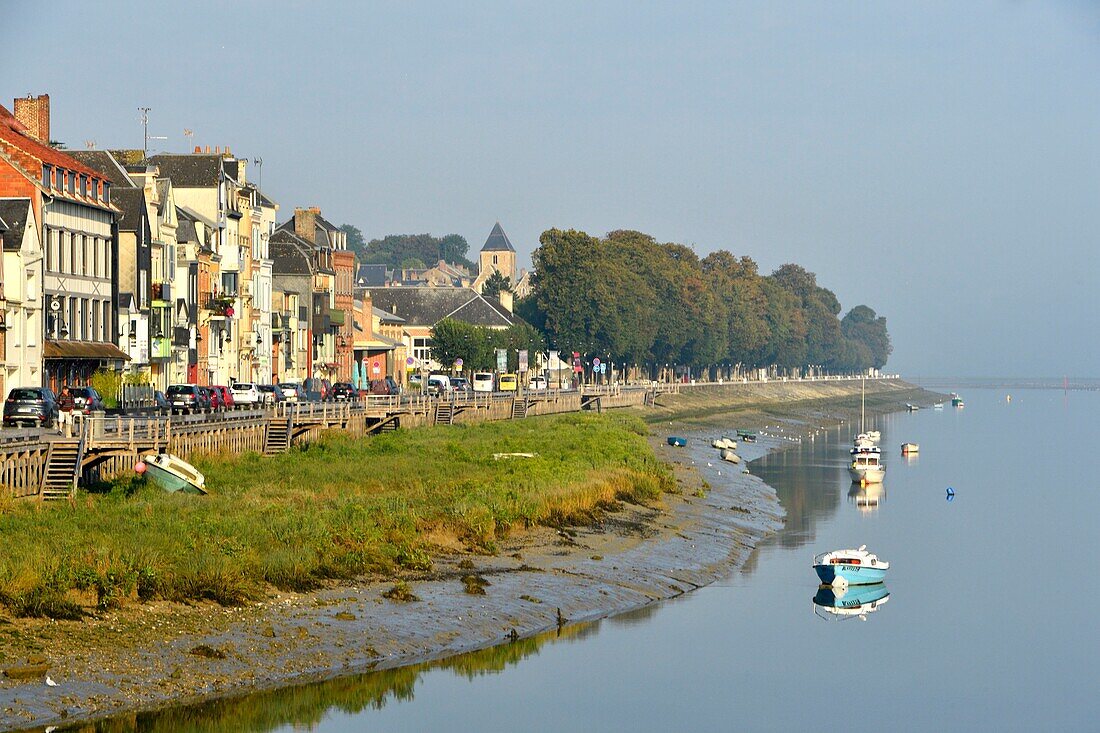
(950, 493)
(139, 467)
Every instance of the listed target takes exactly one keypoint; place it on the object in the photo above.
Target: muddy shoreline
(162, 654)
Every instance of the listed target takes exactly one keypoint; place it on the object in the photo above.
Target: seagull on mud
(50, 682)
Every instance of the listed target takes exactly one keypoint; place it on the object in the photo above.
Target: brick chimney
(305, 223)
(34, 114)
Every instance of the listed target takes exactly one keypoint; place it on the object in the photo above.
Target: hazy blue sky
(938, 161)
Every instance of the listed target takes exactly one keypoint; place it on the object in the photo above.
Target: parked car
(292, 390)
(188, 398)
(225, 395)
(343, 392)
(86, 400)
(483, 381)
(326, 389)
(460, 384)
(380, 387)
(245, 393)
(31, 406)
(161, 404)
(508, 382)
(416, 382)
(271, 394)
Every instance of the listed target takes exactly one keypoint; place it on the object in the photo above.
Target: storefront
(74, 362)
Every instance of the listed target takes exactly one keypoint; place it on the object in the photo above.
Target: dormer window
(95, 189)
(59, 178)
(83, 185)
(106, 192)
(47, 176)
(71, 178)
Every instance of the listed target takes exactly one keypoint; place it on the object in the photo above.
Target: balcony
(162, 291)
(219, 305)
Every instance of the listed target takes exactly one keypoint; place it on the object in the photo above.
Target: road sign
(458, 363)
(409, 361)
(502, 360)
(523, 360)
(595, 361)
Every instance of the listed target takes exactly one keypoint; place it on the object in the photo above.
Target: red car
(215, 398)
(225, 396)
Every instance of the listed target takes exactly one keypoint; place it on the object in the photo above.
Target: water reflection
(808, 485)
(853, 601)
(866, 498)
(306, 706)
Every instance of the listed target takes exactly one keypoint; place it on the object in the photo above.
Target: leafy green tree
(394, 249)
(863, 326)
(412, 263)
(356, 242)
(743, 305)
(495, 284)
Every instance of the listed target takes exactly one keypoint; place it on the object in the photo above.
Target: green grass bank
(337, 509)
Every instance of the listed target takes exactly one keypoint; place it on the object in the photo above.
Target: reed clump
(334, 510)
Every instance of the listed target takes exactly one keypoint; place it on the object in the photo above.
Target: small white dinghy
(728, 455)
(172, 473)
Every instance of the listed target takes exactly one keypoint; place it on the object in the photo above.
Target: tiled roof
(373, 276)
(190, 171)
(131, 202)
(291, 254)
(106, 165)
(497, 241)
(429, 306)
(13, 222)
(11, 132)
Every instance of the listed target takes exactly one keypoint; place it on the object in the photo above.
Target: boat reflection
(854, 601)
(867, 497)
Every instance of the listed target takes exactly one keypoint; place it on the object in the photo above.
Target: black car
(86, 400)
(188, 398)
(31, 406)
(342, 392)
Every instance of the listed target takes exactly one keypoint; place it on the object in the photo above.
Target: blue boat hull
(854, 574)
(677, 441)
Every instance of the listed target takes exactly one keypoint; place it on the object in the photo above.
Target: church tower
(497, 255)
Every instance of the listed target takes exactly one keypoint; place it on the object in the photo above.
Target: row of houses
(176, 267)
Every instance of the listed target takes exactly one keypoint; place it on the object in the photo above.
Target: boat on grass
(849, 602)
(173, 474)
(676, 440)
(728, 455)
(850, 567)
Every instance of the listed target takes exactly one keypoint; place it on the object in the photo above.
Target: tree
(863, 326)
(394, 249)
(356, 242)
(495, 284)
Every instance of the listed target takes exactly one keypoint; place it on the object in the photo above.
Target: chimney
(34, 114)
(198, 149)
(305, 223)
(208, 150)
(505, 298)
(315, 209)
(217, 150)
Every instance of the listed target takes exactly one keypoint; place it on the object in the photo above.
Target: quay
(46, 467)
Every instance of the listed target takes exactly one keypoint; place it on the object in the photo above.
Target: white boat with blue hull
(850, 567)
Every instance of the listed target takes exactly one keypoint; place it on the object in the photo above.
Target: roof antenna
(145, 126)
(259, 163)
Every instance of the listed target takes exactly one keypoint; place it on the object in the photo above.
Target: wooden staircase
(62, 470)
(519, 408)
(277, 437)
(444, 413)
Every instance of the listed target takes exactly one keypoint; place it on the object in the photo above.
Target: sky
(937, 161)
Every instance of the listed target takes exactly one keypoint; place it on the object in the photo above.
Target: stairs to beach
(62, 470)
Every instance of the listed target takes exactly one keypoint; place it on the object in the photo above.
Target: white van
(483, 381)
(439, 384)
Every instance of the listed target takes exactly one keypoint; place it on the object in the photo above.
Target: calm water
(990, 623)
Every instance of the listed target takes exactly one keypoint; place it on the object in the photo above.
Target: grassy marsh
(336, 509)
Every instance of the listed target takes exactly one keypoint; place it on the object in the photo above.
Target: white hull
(868, 475)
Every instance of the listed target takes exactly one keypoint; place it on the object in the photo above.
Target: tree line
(628, 296)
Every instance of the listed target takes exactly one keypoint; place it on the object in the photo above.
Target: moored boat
(728, 455)
(911, 407)
(746, 435)
(909, 449)
(676, 440)
(937, 406)
(724, 443)
(956, 400)
(853, 567)
(173, 474)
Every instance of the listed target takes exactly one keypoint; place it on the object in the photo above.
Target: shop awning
(82, 350)
(374, 345)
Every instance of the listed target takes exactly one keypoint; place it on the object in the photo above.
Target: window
(94, 328)
(83, 185)
(106, 192)
(229, 283)
(494, 259)
(78, 254)
(51, 254)
(106, 323)
(47, 176)
(72, 318)
(65, 252)
(89, 255)
(71, 178)
(59, 179)
(108, 254)
(95, 189)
